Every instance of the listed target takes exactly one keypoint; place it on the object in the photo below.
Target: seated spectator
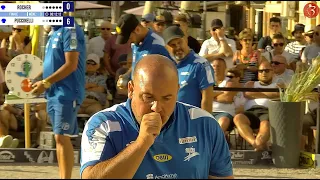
(19, 42)
(223, 107)
(256, 115)
(121, 95)
(247, 59)
(281, 73)
(294, 48)
(13, 119)
(278, 44)
(96, 88)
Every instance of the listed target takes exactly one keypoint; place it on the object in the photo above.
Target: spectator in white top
(218, 46)
(278, 43)
(312, 51)
(96, 44)
(223, 108)
(295, 47)
(281, 73)
(256, 115)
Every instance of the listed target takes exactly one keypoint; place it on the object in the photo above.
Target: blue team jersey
(65, 40)
(195, 75)
(191, 146)
(152, 44)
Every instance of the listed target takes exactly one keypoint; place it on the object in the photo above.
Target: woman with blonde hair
(247, 59)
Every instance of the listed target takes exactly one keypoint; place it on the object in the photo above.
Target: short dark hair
(220, 59)
(278, 36)
(234, 71)
(182, 18)
(275, 19)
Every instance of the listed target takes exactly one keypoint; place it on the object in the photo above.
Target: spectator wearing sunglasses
(223, 108)
(299, 42)
(265, 43)
(281, 73)
(159, 25)
(218, 46)
(312, 51)
(256, 115)
(183, 22)
(278, 44)
(247, 59)
(96, 88)
(19, 42)
(96, 44)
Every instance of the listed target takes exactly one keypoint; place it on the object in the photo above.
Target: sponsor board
(244, 162)
(237, 155)
(7, 156)
(309, 160)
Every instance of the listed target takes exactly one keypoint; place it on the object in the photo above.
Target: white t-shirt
(289, 57)
(96, 46)
(310, 52)
(223, 107)
(211, 46)
(285, 77)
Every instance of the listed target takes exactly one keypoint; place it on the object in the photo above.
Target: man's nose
(156, 107)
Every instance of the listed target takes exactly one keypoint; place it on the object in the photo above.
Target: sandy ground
(240, 172)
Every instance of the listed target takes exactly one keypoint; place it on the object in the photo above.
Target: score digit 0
(68, 6)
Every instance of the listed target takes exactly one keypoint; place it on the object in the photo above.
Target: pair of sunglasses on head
(17, 29)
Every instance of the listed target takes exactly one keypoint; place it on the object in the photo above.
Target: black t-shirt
(194, 44)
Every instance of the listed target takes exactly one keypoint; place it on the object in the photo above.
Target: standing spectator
(294, 48)
(144, 41)
(281, 73)
(196, 76)
(256, 115)
(278, 44)
(265, 43)
(112, 51)
(247, 59)
(64, 83)
(97, 44)
(218, 46)
(312, 51)
(159, 25)
(223, 108)
(183, 22)
(147, 20)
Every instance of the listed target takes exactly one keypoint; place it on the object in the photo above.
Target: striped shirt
(294, 48)
(250, 60)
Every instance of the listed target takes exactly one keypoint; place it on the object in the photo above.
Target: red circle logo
(25, 86)
(311, 10)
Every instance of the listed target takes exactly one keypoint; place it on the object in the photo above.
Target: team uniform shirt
(152, 44)
(190, 145)
(63, 40)
(195, 75)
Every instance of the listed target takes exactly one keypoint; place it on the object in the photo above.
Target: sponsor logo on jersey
(162, 157)
(188, 140)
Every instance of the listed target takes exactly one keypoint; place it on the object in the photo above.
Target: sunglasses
(16, 29)
(177, 25)
(89, 62)
(276, 62)
(264, 70)
(278, 44)
(247, 40)
(316, 33)
(230, 77)
(160, 24)
(105, 29)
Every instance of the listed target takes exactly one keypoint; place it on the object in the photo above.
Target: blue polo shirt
(152, 44)
(195, 75)
(65, 40)
(191, 145)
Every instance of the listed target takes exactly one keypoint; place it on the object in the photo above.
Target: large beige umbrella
(138, 11)
(83, 5)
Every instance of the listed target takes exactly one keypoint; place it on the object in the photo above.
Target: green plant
(302, 83)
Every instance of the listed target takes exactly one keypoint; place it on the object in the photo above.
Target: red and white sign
(311, 10)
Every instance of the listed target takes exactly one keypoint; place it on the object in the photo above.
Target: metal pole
(204, 20)
(115, 11)
(318, 126)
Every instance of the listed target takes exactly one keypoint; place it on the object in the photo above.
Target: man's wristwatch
(46, 84)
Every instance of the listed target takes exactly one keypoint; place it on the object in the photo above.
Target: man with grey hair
(281, 73)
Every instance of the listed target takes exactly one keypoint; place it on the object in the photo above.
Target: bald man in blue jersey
(151, 135)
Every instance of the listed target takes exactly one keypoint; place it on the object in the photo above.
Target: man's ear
(130, 89)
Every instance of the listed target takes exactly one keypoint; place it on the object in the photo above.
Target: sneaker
(14, 143)
(5, 141)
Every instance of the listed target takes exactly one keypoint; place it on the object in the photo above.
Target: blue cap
(148, 17)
